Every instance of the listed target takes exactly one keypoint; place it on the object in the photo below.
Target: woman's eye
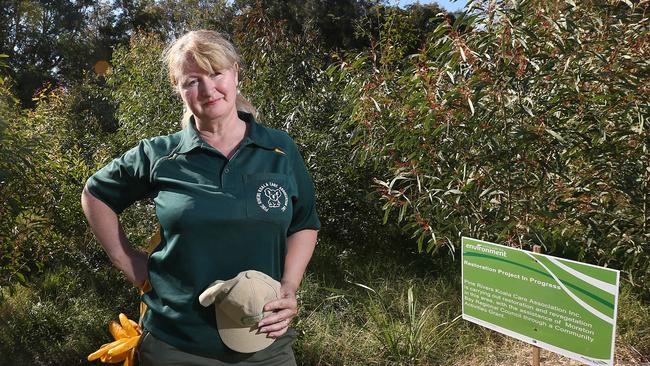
(190, 83)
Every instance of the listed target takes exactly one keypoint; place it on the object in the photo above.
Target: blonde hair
(211, 51)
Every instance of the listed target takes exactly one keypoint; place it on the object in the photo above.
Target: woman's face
(209, 96)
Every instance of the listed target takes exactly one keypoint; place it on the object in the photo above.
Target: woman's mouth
(213, 102)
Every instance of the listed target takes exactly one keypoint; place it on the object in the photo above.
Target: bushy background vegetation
(520, 122)
(528, 127)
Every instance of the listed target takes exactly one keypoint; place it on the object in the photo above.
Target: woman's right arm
(105, 224)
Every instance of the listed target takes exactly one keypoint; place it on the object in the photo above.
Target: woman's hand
(135, 267)
(284, 309)
(300, 247)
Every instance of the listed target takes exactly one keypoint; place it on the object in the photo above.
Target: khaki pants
(154, 352)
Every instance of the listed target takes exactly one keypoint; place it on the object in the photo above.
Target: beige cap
(239, 304)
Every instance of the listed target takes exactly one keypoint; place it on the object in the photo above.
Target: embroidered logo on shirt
(271, 196)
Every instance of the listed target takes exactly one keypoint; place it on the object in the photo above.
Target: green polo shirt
(218, 217)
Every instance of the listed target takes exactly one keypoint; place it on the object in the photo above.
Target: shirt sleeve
(304, 205)
(124, 180)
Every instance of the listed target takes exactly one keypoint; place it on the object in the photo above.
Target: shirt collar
(257, 135)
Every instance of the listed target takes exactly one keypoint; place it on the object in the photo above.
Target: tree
(334, 21)
(12, 169)
(44, 42)
(52, 43)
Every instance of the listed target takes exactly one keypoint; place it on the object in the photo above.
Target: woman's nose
(207, 87)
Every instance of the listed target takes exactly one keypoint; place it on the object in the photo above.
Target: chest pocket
(268, 197)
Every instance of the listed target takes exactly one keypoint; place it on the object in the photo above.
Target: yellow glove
(127, 334)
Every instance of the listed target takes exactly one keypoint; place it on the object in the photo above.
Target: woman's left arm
(300, 247)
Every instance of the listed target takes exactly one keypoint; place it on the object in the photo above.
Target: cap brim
(244, 340)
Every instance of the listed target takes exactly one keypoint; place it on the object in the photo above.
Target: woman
(230, 195)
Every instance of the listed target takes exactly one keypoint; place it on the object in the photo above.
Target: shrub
(283, 76)
(146, 103)
(62, 317)
(521, 122)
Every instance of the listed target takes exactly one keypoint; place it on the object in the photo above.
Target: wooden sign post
(536, 249)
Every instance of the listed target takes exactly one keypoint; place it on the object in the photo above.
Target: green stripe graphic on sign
(586, 289)
(594, 272)
(590, 294)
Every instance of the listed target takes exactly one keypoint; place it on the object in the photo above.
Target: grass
(358, 306)
(377, 308)
(61, 318)
(406, 337)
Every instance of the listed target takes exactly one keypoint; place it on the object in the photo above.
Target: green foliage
(42, 39)
(147, 106)
(633, 327)
(65, 319)
(16, 226)
(528, 128)
(284, 79)
(176, 17)
(58, 287)
(525, 123)
(337, 324)
(407, 339)
(343, 322)
(9, 110)
(45, 165)
(332, 21)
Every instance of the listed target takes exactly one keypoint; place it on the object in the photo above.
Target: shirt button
(226, 171)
